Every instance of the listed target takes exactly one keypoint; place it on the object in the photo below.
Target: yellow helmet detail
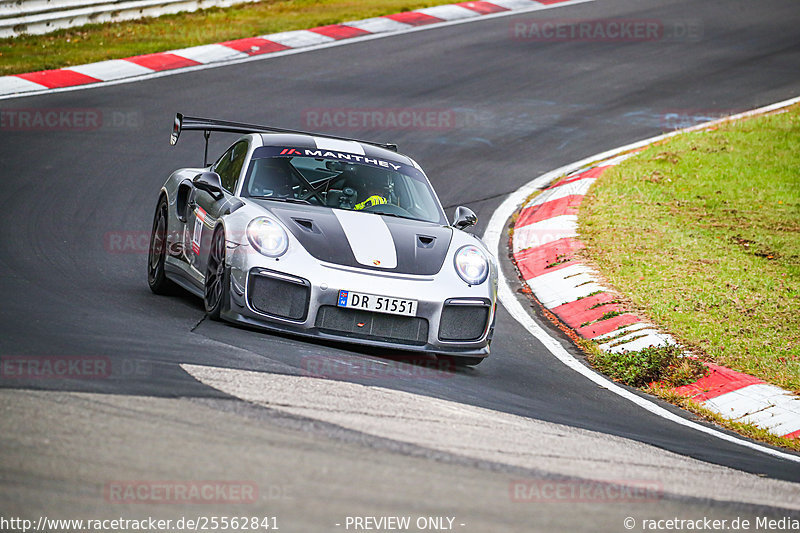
(369, 202)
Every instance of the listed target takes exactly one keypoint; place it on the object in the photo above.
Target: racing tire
(157, 253)
(216, 285)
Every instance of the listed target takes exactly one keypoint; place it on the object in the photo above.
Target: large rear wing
(207, 125)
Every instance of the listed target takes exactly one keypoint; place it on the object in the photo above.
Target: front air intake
(367, 325)
(279, 295)
(464, 320)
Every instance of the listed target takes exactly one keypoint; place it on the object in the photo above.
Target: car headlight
(267, 236)
(472, 264)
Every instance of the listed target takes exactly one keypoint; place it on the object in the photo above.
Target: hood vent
(307, 225)
(425, 241)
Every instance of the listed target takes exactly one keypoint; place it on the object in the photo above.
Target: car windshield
(369, 185)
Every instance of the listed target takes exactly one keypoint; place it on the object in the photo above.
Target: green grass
(702, 234)
(98, 42)
(662, 364)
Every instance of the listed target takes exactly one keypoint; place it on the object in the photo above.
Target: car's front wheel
(157, 253)
(216, 288)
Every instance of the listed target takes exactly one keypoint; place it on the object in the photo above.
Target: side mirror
(209, 182)
(464, 218)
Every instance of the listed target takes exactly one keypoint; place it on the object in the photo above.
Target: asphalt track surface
(533, 106)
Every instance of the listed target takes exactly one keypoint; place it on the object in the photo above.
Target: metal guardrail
(43, 16)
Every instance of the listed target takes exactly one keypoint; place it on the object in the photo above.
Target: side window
(230, 164)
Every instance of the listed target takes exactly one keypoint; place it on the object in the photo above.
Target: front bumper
(282, 295)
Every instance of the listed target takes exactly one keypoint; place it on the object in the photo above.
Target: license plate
(378, 304)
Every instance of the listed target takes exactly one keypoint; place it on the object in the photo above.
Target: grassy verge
(662, 364)
(702, 233)
(98, 42)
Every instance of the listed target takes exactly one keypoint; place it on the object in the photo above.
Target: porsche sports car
(327, 237)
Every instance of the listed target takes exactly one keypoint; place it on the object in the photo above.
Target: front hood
(365, 240)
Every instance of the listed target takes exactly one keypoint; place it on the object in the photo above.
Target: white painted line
(625, 338)
(778, 420)
(299, 38)
(262, 57)
(617, 160)
(765, 392)
(209, 53)
(769, 418)
(787, 401)
(620, 331)
(734, 404)
(554, 298)
(113, 69)
(13, 84)
(378, 25)
(564, 285)
(565, 273)
(495, 233)
(785, 429)
(545, 231)
(749, 400)
(449, 12)
(644, 342)
(575, 188)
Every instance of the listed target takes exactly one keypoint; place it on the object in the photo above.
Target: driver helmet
(372, 188)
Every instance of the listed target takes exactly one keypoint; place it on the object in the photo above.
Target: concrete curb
(173, 61)
(544, 246)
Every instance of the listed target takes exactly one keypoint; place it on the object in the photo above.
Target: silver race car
(327, 237)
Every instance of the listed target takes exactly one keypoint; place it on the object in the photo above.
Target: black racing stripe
(317, 229)
(421, 247)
